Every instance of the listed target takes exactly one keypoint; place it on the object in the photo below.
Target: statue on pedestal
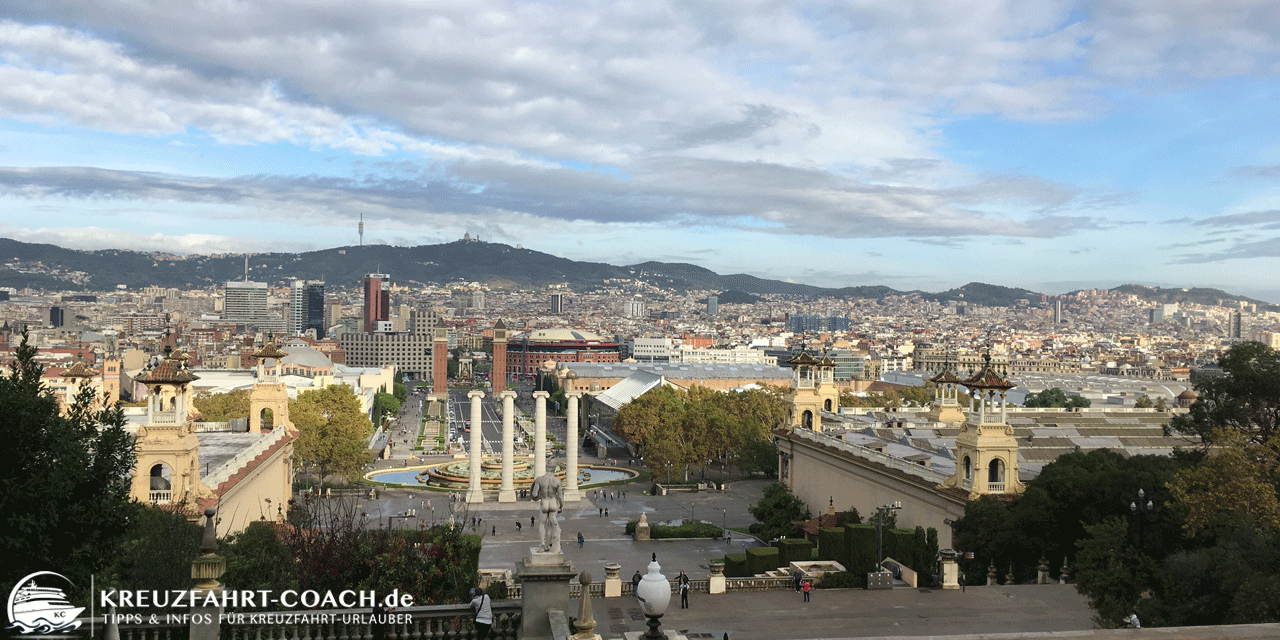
(548, 489)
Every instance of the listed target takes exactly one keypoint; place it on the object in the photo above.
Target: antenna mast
(362, 228)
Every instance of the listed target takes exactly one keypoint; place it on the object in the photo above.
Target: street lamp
(724, 521)
(1137, 508)
(880, 511)
(654, 594)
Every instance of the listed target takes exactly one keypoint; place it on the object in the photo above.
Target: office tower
(245, 301)
(377, 300)
(1239, 325)
(713, 305)
(634, 308)
(557, 303)
(1057, 311)
(332, 315)
(56, 317)
(477, 300)
(306, 307)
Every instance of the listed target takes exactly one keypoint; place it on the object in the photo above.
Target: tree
(1110, 572)
(1055, 397)
(384, 404)
(221, 407)
(777, 509)
(1143, 403)
(333, 431)
(1232, 487)
(1244, 399)
(65, 502)
(400, 391)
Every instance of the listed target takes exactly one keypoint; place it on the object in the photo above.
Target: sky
(915, 144)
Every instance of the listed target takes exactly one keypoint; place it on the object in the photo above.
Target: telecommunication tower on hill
(361, 227)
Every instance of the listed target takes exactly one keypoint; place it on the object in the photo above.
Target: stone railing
(164, 417)
(230, 467)
(892, 462)
(759, 584)
(438, 622)
(161, 497)
(995, 487)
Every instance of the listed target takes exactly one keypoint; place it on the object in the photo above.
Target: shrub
(762, 559)
(843, 580)
(498, 590)
(735, 566)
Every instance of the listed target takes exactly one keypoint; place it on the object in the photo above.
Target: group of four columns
(507, 493)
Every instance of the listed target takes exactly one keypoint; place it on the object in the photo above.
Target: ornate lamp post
(654, 594)
(1140, 510)
(880, 515)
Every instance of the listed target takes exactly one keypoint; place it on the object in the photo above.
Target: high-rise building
(713, 305)
(633, 308)
(377, 300)
(1057, 311)
(306, 307)
(332, 315)
(1240, 328)
(477, 300)
(557, 303)
(56, 317)
(245, 301)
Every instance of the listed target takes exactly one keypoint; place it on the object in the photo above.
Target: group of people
(682, 584)
(802, 585)
(600, 494)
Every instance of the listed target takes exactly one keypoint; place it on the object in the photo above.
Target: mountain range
(500, 266)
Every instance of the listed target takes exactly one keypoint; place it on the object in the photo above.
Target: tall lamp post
(1140, 510)
(880, 514)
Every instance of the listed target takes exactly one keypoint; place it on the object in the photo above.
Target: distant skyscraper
(245, 301)
(1239, 325)
(477, 300)
(377, 300)
(56, 317)
(633, 308)
(557, 303)
(306, 307)
(713, 305)
(1057, 311)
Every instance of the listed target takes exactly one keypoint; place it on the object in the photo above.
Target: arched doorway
(827, 404)
(267, 419)
(806, 419)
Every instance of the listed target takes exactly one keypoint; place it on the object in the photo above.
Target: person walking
(795, 577)
(684, 595)
(519, 526)
(635, 582)
(580, 539)
(808, 585)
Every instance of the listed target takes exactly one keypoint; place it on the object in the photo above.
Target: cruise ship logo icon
(38, 604)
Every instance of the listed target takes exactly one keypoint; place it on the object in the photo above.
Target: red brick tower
(499, 358)
(440, 360)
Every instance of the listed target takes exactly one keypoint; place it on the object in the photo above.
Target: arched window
(827, 404)
(968, 468)
(161, 484)
(806, 419)
(268, 419)
(995, 471)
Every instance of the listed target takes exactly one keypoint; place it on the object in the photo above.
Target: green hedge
(843, 580)
(687, 530)
(735, 566)
(793, 550)
(831, 545)
(762, 559)
(860, 540)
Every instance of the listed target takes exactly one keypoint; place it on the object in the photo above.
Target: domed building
(304, 361)
(528, 351)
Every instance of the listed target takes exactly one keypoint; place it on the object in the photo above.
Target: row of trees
(678, 428)
(1207, 551)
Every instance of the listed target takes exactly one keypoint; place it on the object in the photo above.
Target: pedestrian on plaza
(600, 512)
(495, 530)
(580, 539)
(684, 595)
(606, 512)
(531, 522)
(808, 584)
(795, 577)
(480, 603)
(635, 582)
(519, 526)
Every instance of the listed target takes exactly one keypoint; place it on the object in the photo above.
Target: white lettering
(310, 599)
(367, 599)
(289, 599)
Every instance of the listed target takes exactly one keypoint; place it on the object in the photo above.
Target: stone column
(571, 493)
(508, 492)
(612, 580)
(715, 579)
(474, 493)
(950, 570)
(540, 434)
